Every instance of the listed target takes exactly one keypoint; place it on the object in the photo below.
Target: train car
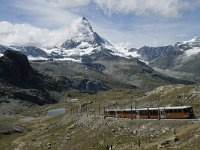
(120, 113)
(176, 112)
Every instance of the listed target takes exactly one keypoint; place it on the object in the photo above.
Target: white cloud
(27, 34)
(43, 13)
(53, 8)
(68, 3)
(24, 34)
(60, 13)
(166, 8)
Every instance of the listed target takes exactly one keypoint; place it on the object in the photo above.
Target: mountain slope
(20, 81)
(101, 58)
(180, 60)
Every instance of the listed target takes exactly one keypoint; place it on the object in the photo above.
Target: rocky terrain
(82, 90)
(54, 98)
(82, 125)
(20, 81)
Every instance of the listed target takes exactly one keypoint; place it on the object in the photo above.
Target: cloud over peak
(47, 22)
(68, 3)
(25, 34)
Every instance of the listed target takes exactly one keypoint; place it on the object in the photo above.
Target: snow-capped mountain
(191, 47)
(33, 53)
(185, 45)
(84, 41)
(179, 60)
(85, 37)
(185, 48)
(97, 54)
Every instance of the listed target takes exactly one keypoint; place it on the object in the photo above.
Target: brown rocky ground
(87, 130)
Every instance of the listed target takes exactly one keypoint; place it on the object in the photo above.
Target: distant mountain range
(179, 60)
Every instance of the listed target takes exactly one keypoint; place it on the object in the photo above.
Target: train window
(133, 112)
(141, 112)
(167, 111)
(185, 110)
(189, 110)
(180, 110)
(137, 112)
(146, 112)
(151, 112)
(155, 112)
(110, 112)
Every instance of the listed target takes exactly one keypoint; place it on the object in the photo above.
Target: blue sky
(131, 23)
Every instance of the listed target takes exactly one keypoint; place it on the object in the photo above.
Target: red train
(176, 112)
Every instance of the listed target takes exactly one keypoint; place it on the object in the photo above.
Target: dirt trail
(21, 141)
(181, 133)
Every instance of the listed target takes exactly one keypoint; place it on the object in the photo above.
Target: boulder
(89, 86)
(15, 68)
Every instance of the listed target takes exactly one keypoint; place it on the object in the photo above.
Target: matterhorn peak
(81, 25)
(84, 37)
(83, 18)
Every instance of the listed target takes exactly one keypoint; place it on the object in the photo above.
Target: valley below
(80, 124)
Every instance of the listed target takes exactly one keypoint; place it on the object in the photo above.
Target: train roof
(150, 108)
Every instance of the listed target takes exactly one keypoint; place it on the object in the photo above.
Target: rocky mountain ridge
(180, 60)
(85, 41)
(91, 53)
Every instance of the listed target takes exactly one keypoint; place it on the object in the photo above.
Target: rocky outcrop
(152, 53)
(86, 85)
(20, 81)
(13, 129)
(15, 68)
(70, 44)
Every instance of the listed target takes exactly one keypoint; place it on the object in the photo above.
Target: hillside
(86, 129)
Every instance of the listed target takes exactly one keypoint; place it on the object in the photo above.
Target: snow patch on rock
(192, 51)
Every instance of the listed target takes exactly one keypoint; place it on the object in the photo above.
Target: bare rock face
(15, 68)
(20, 81)
(86, 85)
(13, 129)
